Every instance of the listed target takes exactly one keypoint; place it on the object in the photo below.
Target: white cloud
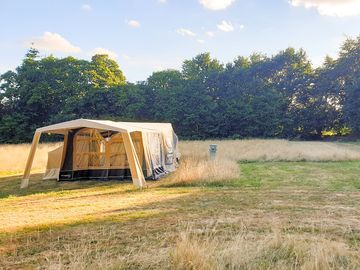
(134, 23)
(210, 34)
(225, 26)
(242, 26)
(185, 32)
(200, 41)
(340, 8)
(111, 54)
(162, 1)
(216, 4)
(86, 7)
(53, 42)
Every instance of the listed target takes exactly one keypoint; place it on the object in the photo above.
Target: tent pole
(25, 179)
(66, 136)
(134, 164)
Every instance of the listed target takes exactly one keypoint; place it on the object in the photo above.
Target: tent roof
(61, 128)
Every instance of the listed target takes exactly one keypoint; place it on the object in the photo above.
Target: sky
(144, 36)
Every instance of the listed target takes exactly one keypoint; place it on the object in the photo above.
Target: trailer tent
(94, 149)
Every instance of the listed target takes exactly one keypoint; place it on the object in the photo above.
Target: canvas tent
(102, 149)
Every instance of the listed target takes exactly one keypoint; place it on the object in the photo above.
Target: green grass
(332, 176)
(59, 223)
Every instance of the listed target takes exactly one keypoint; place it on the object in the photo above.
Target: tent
(102, 149)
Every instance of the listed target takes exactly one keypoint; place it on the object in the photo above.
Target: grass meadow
(262, 204)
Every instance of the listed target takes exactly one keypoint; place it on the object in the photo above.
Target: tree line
(282, 96)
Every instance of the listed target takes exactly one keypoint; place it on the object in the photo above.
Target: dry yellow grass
(90, 204)
(274, 215)
(272, 150)
(13, 157)
(246, 250)
(191, 253)
(111, 225)
(195, 156)
(195, 169)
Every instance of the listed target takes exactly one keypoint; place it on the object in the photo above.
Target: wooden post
(25, 180)
(134, 164)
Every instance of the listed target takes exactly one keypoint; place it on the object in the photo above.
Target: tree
(346, 78)
(163, 89)
(200, 67)
(105, 72)
(255, 96)
(48, 90)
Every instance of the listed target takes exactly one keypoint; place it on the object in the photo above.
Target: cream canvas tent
(94, 149)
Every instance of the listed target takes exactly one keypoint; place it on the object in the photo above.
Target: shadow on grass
(10, 185)
(203, 183)
(338, 176)
(118, 231)
(160, 207)
(153, 225)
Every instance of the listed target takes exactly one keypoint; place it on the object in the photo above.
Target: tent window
(89, 149)
(93, 151)
(138, 144)
(118, 156)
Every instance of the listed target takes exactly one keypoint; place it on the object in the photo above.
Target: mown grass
(272, 215)
(335, 176)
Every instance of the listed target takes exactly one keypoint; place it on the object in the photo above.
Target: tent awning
(61, 128)
(125, 128)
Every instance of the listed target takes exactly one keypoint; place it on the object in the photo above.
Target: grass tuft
(274, 251)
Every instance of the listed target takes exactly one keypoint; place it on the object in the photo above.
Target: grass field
(260, 205)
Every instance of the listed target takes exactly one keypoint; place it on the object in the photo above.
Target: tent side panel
(147, 155)
(156, 153)
(35, 142)
(170, 149)
(53, 164)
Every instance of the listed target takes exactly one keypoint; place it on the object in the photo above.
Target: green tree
(47, 90)
(200, 67)
(346, 80)
(255, 96)
(105, 72)
(163, 89)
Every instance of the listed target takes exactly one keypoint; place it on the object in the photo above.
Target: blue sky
(150, 35)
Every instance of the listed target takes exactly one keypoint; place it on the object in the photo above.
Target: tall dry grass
(272, 150)
(195, 162)
(245, 250)
(194, 169)
(207, 249)
(196, 166)
(85, 254)
(13, 156)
